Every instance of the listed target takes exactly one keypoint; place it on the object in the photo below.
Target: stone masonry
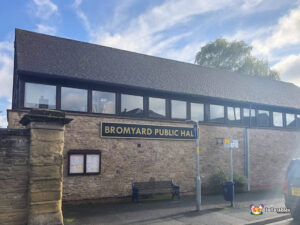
(14, 146)
(126, 160)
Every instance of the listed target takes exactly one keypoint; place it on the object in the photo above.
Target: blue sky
(174, 29)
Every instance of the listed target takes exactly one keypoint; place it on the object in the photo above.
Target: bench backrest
(153, 186)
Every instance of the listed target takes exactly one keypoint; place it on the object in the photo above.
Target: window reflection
(73, 99)
(132, 105)
(40, 96)
(263, 118)
(157, 107)
(178, 109)
(216, 113)
(104, 102)
(247, 113)
(277, 119)
(290, 120)
(197, 112)
(234, 115)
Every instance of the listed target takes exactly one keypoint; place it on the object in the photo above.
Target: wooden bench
(154, 187)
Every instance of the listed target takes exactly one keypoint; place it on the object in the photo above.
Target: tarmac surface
(162, 210)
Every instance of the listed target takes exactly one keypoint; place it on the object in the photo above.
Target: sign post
(231, 143)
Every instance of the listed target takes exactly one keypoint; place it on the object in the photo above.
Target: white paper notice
(92, 163)
(76, 163)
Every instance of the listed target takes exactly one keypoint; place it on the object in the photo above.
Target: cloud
(146, 32)
(44, 9)
(46, 13)
(41, 28)
(289, 68)
(6, 69)
(285, 33)
(3, 121)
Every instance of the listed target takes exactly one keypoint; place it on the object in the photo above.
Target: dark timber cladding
(43, 54)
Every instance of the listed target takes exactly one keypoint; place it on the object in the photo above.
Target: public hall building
(131, 116)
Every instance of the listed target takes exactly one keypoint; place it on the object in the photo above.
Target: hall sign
(121, 130)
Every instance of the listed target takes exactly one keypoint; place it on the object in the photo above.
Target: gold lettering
(112, 129)
(156, 131)
(133, 129)
(149, 131)
(176, 133)
(126, 130)
(106, 129)
(138, 131)
(143, 131)
(188, 133)
(119, 130)
(182, 133)
(166, 132)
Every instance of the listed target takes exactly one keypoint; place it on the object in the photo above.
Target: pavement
(162, 210)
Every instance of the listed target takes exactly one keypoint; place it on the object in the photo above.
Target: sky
(174, 29)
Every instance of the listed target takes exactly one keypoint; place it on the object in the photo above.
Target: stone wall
(13, 176)
(123, 161)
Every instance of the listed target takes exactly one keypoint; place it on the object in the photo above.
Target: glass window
(73, 99)
(178, 109)
(40, 96)
(132, 105)
(277, 119)
(157, 107)
(234, 115)
(104, 102)
(197, 112)
(247, 114)
(290, 120)
(216, 113)
(263, 118)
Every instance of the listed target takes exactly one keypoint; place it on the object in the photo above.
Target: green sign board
(122, 130)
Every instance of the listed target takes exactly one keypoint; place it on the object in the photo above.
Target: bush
(216, 180)
(219, 177)
(240, 182)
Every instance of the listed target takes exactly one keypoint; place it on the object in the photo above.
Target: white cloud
(285, 33)
(3, 121)
(289, 68)
(6, 69)
(145, 33)
(41, 28)
(44, 9)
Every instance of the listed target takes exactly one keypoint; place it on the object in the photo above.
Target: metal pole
(198, 180)
(230, 170)
(231, 174)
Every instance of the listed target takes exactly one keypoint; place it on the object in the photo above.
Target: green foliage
(234, 56)
(240, 182)
(215, 182)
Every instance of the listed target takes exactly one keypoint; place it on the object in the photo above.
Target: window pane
(104, 102)
(246, 117)
(40, 96)
(178, 109)
(73, 99)
(234, 115)
(216, 113)
(290, 120)
(197, 112)
(132, 105)
(76, 163)
(157, 107)
(277, 119)
(92, 163)
(263, 118)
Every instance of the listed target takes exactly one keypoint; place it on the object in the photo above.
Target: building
(130, 115)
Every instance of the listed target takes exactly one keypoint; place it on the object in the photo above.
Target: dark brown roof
(51, 55)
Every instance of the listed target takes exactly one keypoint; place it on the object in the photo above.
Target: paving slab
(214, 211)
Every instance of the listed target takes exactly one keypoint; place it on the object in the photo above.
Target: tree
(234, 56)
